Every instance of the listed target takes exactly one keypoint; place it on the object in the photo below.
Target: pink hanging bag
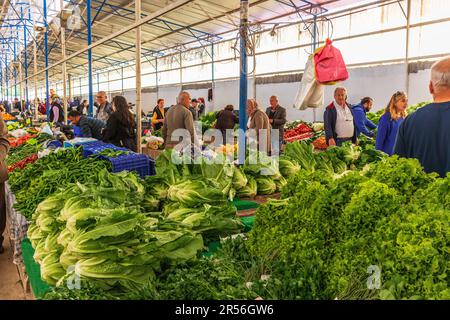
(330, 65)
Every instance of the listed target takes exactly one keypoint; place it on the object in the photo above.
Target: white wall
(378, 82)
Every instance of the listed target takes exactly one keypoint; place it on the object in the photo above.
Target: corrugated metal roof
(192, 25)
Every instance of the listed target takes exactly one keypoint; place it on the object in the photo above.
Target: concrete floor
(10, 284)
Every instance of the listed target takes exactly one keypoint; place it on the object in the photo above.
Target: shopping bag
(329, 65)
(311, 93)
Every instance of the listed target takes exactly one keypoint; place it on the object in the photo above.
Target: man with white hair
(425, 134)
(339, 121)
(104, 108)
(178, 117)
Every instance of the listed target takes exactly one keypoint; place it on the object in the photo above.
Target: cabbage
(280, 183)
(266, 185)
(250, 190)
(192, 193)
(288, 168)
(239, 179)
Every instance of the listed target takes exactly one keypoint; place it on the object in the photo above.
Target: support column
(1, 82)
(408, 22)
(35, 66)
(156, 75)
(213, 80)
(47, 105)
(243, 82)
(69, 79)
(122, 79)
(181, 71)
(6, 77)
(25, 60)
(138, 77)
(254, 73)
(64, 71)
(89, 42)
(315, 33)
(14, 68)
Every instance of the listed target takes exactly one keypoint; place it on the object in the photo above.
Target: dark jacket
(363, 125)
(226, 119)
(119, 134)
(194, 113)
(159, 116)
(279, 119)
(330, 118)
(91, 128)
(61, 113)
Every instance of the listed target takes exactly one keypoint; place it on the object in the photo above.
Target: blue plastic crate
(98, 146)
(139, 163)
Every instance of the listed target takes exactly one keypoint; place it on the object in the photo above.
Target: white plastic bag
(47, 129)
(311, 93)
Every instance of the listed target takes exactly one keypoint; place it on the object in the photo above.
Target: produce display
(41, 179)
(23, 163)
(28, 147)
(8, 117)
(344, 213)
(96, 230)
(16, 142)
(328, 231)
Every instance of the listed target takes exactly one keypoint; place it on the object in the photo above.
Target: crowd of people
(424, 135)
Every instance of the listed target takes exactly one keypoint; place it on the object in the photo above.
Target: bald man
(425, 134)
(178, 117)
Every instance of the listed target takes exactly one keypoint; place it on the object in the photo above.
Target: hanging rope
(252, 39)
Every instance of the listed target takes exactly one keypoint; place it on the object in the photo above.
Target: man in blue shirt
(425, 134)
(363, 125)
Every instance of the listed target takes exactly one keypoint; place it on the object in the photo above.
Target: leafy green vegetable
(196, 192)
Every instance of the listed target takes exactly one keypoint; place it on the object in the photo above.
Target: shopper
(194, 109)
(89, 127)
(277, 117)
(259, 122)
(339, 121)
(53, 96)
(43, 107)
(83, 107)
(158, 115)
(179, 117)
(425, 134)
(17, 106)
(56, 112)
(364, 125)
(390, 121)
(104, 108)
(4, 148)
(201, 106)
(121, 127)
(226, 120)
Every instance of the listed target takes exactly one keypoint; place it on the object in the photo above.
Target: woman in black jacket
(226, 120)
(121, 128)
